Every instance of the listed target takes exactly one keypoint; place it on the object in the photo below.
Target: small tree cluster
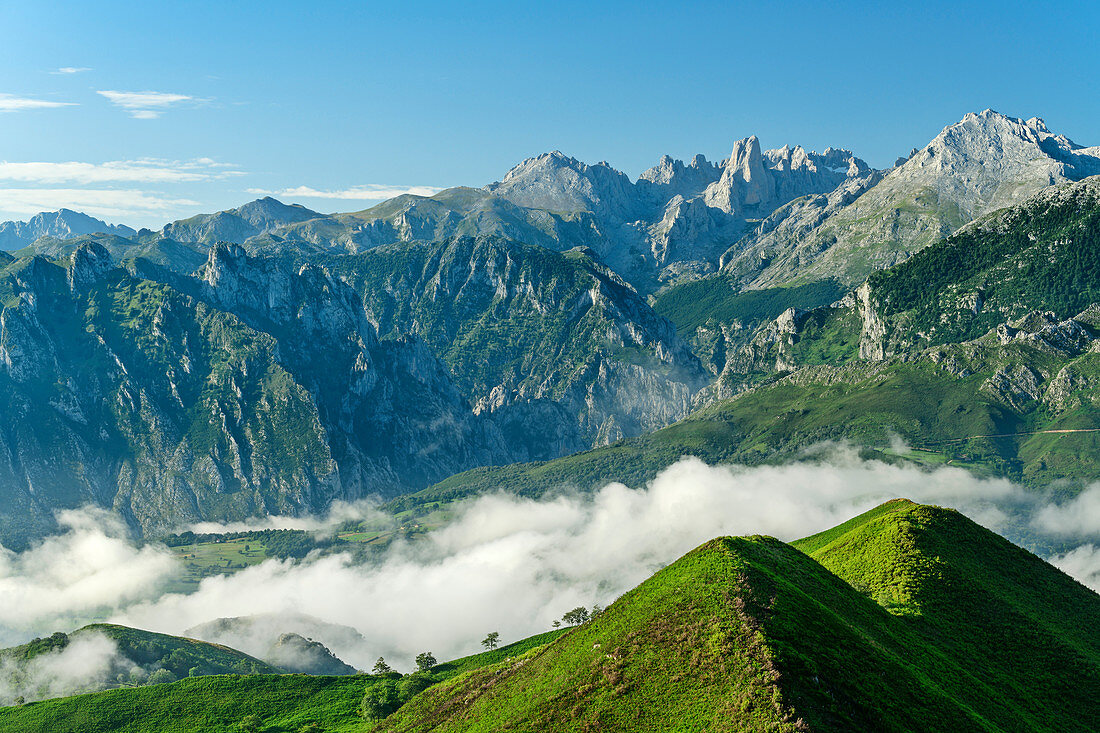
(380, 699)
(425, 661)
(575, 617)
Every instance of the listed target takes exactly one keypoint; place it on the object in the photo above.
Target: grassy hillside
(906, 618)
(675, 653)
(930, 623)
(143, 657)
(265, 703)
(718, 299)
(944, 417)
(1042, 255)
(219, 704)
(1032, 630)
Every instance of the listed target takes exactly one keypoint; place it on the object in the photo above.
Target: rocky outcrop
(872, 338)
(1042, 330)
(754, 183)
(670, 178)
(87, 265)
(1016, 385)
(769, 245)
(691, 231)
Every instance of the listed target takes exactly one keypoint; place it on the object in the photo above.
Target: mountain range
(270, 359)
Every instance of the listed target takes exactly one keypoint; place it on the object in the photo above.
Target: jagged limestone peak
(88, 263)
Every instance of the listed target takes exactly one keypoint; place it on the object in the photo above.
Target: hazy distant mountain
(237, 225)
(291, 641)
(61, 224)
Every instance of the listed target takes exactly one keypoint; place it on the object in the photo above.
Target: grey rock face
(393, 417)
(263, 389)
(872, 346)
(138, 398)
(768, 247)
(670, 178)
(755, 183)
(985, 162)
(557, 182)
(555, 348)
(88, 264)
(1016, 386)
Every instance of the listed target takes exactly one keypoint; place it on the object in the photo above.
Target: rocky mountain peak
(663, 173)
(88, 264)
(754, 183)
(670, 178)
(989, 160)
(263, 213)
(557, 182)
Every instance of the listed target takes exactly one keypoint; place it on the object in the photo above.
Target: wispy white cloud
(113, 204)
(367, 192)
(145, 170)
(10, 103)
(145, 105)
(71, 70)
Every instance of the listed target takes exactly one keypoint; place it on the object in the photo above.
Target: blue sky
(160, 111)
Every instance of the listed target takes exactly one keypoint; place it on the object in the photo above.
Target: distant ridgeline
(564, 326)
(908, 618)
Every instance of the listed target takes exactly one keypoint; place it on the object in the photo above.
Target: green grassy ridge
(672, 654)
(753, 634)
(1033, 631)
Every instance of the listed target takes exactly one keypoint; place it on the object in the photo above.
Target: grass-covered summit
(908, 618)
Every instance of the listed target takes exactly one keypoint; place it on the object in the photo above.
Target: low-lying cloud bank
(82, 666)
(514, 565)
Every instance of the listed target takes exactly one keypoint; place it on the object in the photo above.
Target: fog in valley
(503, 564)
